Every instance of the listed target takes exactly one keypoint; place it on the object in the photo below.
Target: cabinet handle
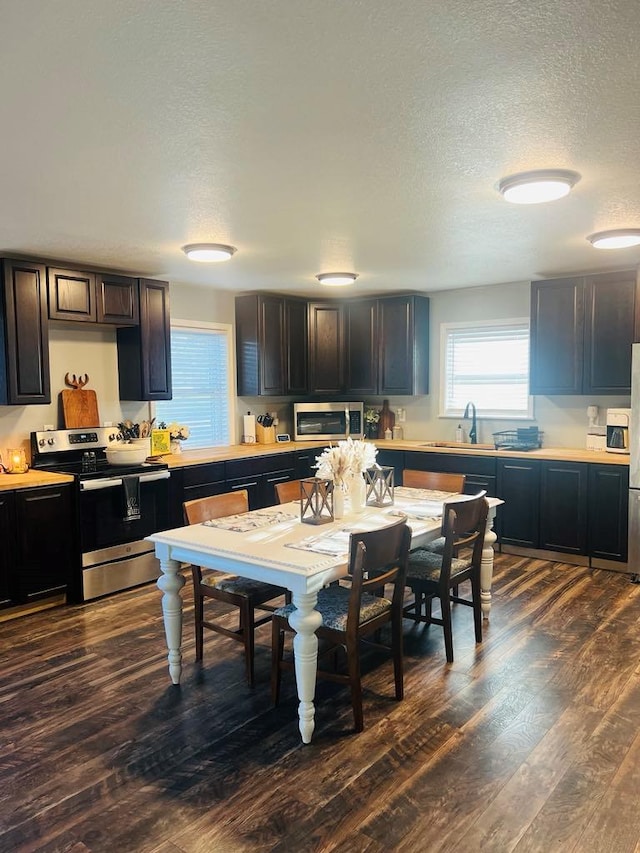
(243, 486)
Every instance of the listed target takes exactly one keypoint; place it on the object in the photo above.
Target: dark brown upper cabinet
(144, 351)
(582, 329)
(260, 345)
(403, 345)
(24, 334)
(88, 297)
(361, 322)
(326, 347)
(296, 351)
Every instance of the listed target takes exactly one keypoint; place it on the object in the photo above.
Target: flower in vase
(177, 432)
(345, 460)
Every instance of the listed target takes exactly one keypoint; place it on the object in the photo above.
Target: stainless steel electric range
(118, 505)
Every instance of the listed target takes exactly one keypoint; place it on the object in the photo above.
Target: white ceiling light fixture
(207, 253)
(538, 186)
(617, 238)
(337, 279)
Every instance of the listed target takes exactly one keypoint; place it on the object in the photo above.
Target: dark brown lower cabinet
(7, 534)
(608, 520)
(44, 542)
(519, 516)
(563, 507)
(479, 471)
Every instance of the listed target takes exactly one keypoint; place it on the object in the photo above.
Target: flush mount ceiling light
(538, 186)
(337, 279)
(208, 252)
(618, 238)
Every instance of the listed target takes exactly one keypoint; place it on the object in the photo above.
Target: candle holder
(316, 500)
(379, 485)
(16, 461)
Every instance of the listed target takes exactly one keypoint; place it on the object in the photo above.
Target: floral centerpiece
(177, 433)
(345, 464)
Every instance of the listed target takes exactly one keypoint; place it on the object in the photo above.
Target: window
(487, 364)
(201, 369)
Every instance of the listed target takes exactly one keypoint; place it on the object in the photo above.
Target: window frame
(445, 330)
(227, 328)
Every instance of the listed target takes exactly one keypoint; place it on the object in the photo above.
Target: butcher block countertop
(32, 479)
(245, 451)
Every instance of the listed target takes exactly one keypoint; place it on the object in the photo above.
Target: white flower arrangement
(177, 432)
(347, 459)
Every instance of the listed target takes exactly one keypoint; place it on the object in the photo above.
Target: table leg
(170, 583)
(305, 620)
(486, 565)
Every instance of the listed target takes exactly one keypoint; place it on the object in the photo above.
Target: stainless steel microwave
(327, 421)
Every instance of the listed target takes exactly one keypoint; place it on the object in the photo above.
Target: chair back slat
(464, 521)
(216, 506)
(433, 480)
(288, 491)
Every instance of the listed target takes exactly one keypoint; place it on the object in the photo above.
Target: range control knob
(42, 442)
(51, 441)
(113, 436)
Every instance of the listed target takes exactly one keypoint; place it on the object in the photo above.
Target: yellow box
(265, 435)
(160, 442)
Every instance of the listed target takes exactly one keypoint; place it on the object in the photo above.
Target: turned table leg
(305, 620)
(170, 583)
(486, 566)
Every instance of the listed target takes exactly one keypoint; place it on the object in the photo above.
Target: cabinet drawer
(450, 463)
(258, 465)
(198, 475)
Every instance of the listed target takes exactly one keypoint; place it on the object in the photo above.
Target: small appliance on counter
(596, 434)
(618, 422)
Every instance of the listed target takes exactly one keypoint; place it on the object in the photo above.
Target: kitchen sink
(457, 445)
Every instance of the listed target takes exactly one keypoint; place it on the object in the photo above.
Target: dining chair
(245, 594)
(287, 491)
(436, 480)
(431, 575)
(351, 615)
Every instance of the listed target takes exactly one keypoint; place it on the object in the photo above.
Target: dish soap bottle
(459, 434)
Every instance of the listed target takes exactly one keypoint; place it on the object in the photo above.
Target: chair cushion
(426, 565)
(333, 606)
(437, 546)
(242, 586)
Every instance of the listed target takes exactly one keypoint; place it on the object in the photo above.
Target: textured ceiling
(318, 135)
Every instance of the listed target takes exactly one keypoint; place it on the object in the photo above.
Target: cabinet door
(72, 295)
(608, 511)
(7, 536)
(557, 336)
(24, 335)
(260, 345)
(144, 351)
(117, 299)
(326, 348)
(612, 311)
(296, 379)
(404, 345)
(361, 334)
(563, 507)
(44, 562)
(519, 487)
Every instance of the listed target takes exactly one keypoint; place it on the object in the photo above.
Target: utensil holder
(265, 435)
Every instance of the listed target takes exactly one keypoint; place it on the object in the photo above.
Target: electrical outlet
(402, 414)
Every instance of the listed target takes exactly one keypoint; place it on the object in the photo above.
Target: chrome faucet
(473, 432)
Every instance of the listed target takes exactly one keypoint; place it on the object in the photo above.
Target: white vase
(338, 501)
(358, 493)
(175, 447)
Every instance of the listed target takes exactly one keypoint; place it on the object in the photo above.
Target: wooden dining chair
(352, 615)
(436, 480)
(287, 491)
(431, 575)
(245, 594)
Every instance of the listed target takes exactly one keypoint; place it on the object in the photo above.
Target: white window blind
(200, 370)
(487, 364)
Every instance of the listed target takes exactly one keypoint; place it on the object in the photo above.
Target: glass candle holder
(316, 500)
(380, 485)
(16, 461)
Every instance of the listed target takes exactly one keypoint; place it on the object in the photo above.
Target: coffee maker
(618, 430)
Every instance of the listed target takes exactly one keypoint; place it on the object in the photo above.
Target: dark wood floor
(529, 742)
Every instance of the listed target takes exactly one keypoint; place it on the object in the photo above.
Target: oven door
(103, 521)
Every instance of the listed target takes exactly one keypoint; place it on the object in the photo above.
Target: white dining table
(273, 545)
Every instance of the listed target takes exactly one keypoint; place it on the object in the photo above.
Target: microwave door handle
(347, 425)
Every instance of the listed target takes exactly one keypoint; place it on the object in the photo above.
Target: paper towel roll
(249, 429)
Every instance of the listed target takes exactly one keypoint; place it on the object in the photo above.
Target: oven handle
(112, 482)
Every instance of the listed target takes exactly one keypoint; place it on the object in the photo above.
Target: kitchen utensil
(79, 405)
(127, 454)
